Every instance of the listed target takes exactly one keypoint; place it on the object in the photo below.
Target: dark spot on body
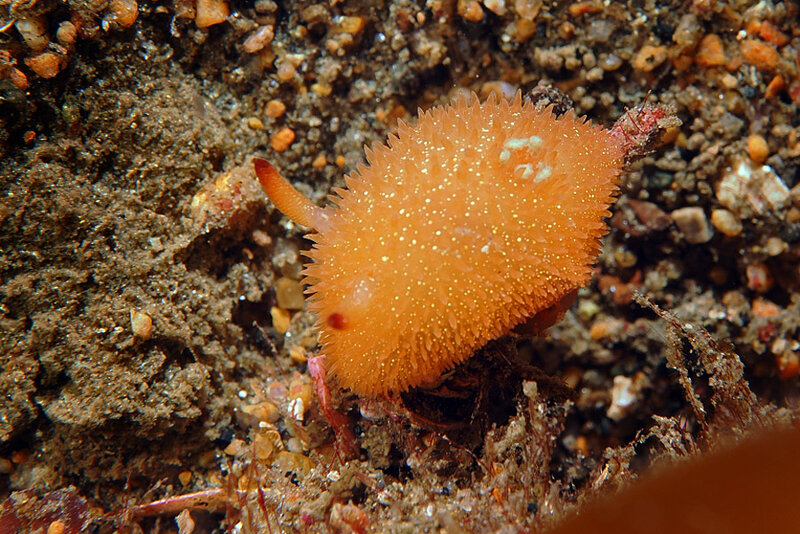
(337, 321)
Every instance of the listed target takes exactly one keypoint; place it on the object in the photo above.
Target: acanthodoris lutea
(457, 230)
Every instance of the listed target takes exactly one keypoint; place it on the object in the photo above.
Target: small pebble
(66, 34)
(255, 123)
(294, 445)
(587, 309)
(776, 246)
(265, 6)
(495, 86)
(298, 354)
(498, 7)
(688, 32)
(696, 141)
(577, 9)
(594, 74)
(649, 57)
(613, 286)
(281, 319)
(607, 328)
(185, 522)
(653, 217)
(56, 527)
(775, 86)
(234, 447)
(282, 139)
(764, 308)
(610, 62)
(710, 53)
(566, 30)
(692, 222)
(624, 395)
(275, 108)
(788, 365)
(17, 78)
(726, 222)
(352, 25)
(322, 88)
(767, 331)
(779, 345)
(285, 71)
(729, 81)
(47, 64)
(470, 10)
(258, 39)
(20, 457)
(277, 392)
(185, 477)
(320, 161)
(522, 29)
(301, 393)
(759, 54)
(292, 461)
(572, 376)
(6, 467)
(528, 9)
(759, 278)
(598, 330)
(263, 411)
(769, 32)
(261, 238)
(625, 258)
(582, 445)
(123, 12)
(289, 293)
(33, 31)
(141, 325)
(747, 187)
(757, 148)
(264, 446)
(210, 12)
(601, 29)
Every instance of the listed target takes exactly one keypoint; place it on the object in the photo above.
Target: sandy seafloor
(152, 329)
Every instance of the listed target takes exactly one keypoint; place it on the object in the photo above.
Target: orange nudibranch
(458, 229)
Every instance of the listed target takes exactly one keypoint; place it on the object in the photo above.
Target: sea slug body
(460, 228)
